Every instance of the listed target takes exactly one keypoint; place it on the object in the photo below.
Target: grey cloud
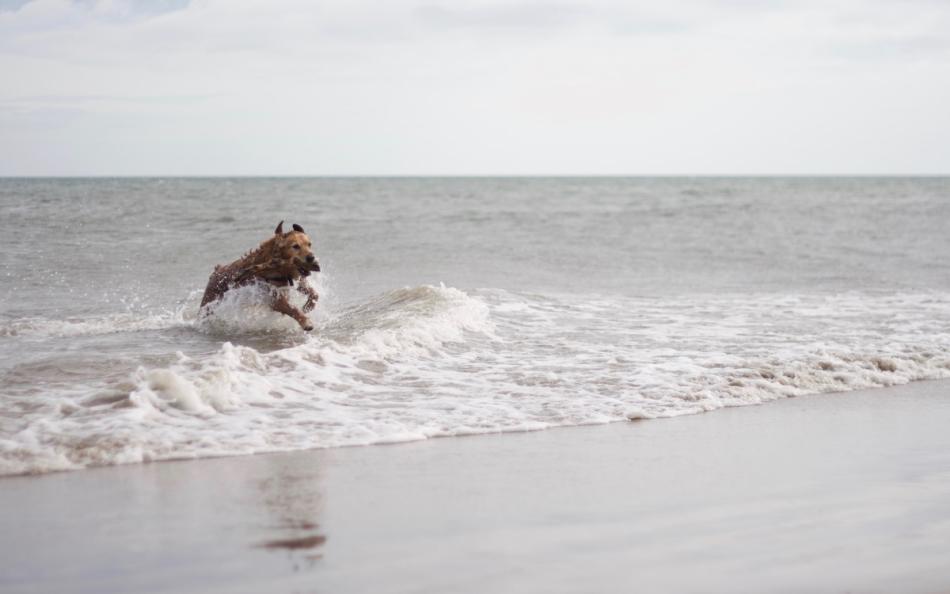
(632, 26)
(140, 7)
(145, 7)
(12, 5)
(893, 48)
(309, 84)
(542, 16)
(33, 101)
(518, 16)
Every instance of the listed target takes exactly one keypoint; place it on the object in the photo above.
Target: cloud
(12, 5)
(530, 15)
(292, 86)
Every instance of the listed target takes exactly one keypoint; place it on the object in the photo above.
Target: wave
(182, 315)
(430, 361)
(95, 325)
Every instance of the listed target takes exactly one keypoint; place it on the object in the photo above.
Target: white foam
(434, 361)
(244, 310)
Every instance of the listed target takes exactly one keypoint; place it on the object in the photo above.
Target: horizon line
(475, 175)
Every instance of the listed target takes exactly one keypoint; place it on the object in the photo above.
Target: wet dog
(281, 261)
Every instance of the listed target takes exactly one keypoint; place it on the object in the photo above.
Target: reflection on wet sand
(294, 500)
(293, 544)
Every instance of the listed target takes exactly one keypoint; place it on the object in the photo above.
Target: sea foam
(432, 361)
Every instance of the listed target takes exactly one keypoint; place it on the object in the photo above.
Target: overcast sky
(241, 87)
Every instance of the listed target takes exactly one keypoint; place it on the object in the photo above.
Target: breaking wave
(429, 361)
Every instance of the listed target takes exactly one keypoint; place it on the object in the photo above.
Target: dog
(278, 262)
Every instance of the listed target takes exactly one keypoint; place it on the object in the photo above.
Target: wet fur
(277, 263)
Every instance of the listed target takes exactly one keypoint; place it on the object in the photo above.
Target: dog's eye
(296, 246)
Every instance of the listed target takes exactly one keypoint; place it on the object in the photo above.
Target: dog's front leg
(312, 295)
(281, 304)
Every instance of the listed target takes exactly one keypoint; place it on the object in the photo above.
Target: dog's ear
(298, 228)
(280, 228)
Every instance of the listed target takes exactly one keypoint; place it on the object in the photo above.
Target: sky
(416, 87)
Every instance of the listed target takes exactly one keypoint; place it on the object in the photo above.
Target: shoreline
(634, 417)
(820, 493)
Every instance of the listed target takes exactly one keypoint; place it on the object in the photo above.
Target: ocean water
(451, 307)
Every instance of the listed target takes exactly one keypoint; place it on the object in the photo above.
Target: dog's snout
(310, 258)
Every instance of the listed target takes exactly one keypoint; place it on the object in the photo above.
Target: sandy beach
(844, 492)
(474, 297)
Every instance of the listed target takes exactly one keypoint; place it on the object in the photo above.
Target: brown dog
(279, 261)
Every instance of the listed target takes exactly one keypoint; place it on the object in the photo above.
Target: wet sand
(832, 493)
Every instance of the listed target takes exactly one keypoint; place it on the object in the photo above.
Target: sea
(450, 307)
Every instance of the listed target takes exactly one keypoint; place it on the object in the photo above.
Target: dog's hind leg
(217, 285)
(281, 304)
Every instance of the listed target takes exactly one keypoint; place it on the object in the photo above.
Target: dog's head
(296, 249)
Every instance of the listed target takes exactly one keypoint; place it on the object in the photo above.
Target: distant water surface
(451, 306)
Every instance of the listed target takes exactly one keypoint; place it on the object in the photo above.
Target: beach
(842, 492)
(474, 297)
(512, 385)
